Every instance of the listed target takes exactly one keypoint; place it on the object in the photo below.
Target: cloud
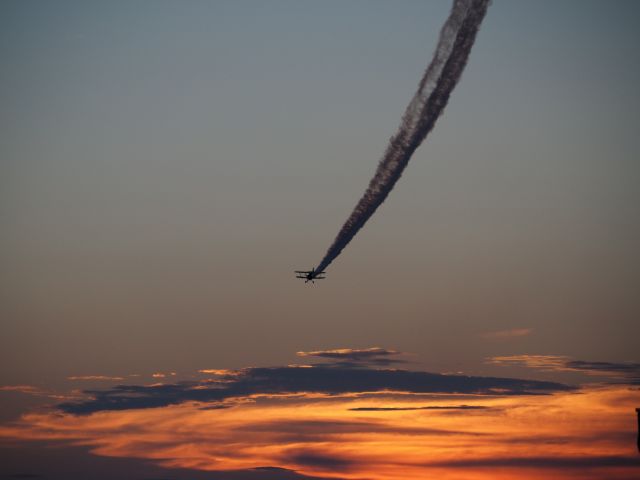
(542, 362)
(506, 334)
(355, 356)
(34, 391)
(218, 371)
(324, 461)
(626, 369)
(546, 462)
(558, 363)
(541, 436)
(30, 389)
(432, 407)
(330, 379)
(95, 378)
(349, 353)
(303, 431)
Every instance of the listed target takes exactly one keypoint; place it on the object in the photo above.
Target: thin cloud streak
(89, 378)
(456, 39)
(559, 363)
(349, 353)
(550, 462)
(506, 334)
(354, 356)
(218, 372)
(37, 392)
(433, 407)
(29, 389)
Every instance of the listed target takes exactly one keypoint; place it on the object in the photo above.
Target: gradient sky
(165, 166)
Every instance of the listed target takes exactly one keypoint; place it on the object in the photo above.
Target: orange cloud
(589, 434)
(20, 388)
(219, 372)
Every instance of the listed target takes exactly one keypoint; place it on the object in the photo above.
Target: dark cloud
(350, 353)
(544, 462)
(65, 462)
(434, 407)
(305, 458)
(216, 407)
(321, 379)
(629, 370)
(353, 357)
(621, 370)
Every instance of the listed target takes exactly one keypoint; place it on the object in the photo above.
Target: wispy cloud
(506, 334)
(542, 362)
(623, 369)
(431, 407)
(357, 356)
(218, 371)
(37, 392)
(89, 378)
(350, 353)
(548, 462)
(560, 363)
(30, 389)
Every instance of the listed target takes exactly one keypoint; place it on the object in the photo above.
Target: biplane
(309, 275)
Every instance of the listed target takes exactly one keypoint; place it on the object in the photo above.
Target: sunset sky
(166, 166)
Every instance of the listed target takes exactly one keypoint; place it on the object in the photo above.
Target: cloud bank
(588, 434)
(333, 379)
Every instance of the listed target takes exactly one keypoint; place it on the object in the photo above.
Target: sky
(166, 166)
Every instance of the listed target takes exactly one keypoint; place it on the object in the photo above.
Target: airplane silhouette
(309, 275)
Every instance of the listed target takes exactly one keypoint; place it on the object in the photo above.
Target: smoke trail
(442, 75)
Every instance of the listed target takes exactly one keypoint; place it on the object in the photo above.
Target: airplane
(309, 275)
